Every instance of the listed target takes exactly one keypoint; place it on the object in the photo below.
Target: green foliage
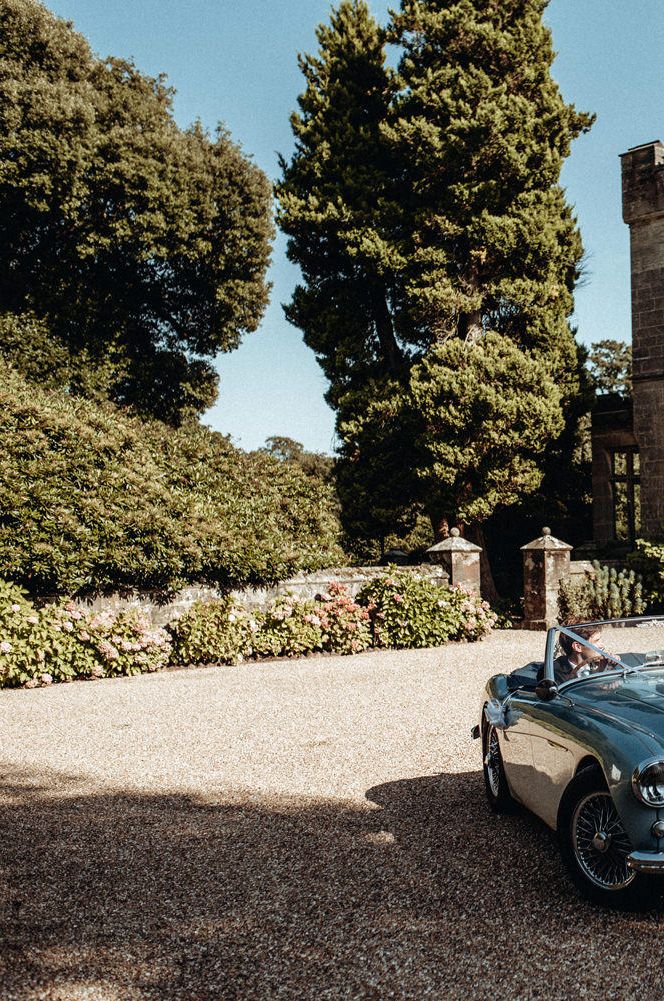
(484, 414)
(374, 473)
(648, 562)
(212, 632)
(144, 245)
(481, 132)
(289, 628)
(315, 464)
(411, 611)
(610, 365)
(94, 500)
(607, 594)
(61, 642)
(345, 623)
(336, 199)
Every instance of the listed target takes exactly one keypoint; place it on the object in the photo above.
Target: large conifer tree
(337, 205)
(440, 187)
(482, 131)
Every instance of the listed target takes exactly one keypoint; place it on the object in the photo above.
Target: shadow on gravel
(422, 894)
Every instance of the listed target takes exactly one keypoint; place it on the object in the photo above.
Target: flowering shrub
(345, 624)
(123, 643)
(291, 627)
(410, 611)
(37, 647)
(62, 642)
(212, 632)
(475, 616)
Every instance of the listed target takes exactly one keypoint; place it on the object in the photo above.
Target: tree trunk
(392, 355)
(475, 533)
(440, 525)
(470, 326)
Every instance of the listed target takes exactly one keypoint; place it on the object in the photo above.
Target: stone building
(628, 436)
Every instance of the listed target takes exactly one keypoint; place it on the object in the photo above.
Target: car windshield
(582, 649)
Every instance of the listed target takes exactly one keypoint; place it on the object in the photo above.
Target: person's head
(576, 650)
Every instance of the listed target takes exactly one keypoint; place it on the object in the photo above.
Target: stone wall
(304, 585)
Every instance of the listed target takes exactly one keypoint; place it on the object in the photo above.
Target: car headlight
(648, 782)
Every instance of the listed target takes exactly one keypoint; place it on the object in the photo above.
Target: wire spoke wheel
(600, 843)
(492, 761)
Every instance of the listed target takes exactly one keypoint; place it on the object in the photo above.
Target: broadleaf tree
(141, 246)
(610, 364)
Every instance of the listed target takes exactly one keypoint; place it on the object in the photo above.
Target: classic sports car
(579, 740)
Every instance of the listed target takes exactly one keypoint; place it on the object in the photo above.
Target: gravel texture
(313, 829)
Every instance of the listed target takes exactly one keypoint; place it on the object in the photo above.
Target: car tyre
(594, 846)
(495, 782)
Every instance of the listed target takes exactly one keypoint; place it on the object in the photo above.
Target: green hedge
(94, 500)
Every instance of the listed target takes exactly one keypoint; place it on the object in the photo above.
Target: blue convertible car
(579, 740)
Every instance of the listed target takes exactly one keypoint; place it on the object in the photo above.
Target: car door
(555, 756)
(517, 746)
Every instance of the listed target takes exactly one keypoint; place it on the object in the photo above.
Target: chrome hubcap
(492, 761)
(602, 841)
(601, 845)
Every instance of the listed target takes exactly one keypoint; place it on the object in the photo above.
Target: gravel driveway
(313, 829)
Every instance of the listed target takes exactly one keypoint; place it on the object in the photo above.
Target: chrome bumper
(652, 862)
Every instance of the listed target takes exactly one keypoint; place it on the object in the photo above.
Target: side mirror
(546, 690)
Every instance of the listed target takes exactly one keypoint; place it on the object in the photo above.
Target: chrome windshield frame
(620, 667)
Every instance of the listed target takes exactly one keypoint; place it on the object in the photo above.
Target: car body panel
(615, 720)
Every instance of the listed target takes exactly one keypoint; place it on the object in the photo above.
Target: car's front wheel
(495, 782)
(595, 846)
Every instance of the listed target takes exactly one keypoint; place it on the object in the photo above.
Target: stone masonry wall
(643, 210)
(305, 586)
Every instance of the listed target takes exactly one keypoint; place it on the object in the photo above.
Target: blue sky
(235, 61)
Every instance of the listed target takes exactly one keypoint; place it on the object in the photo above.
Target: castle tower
(643, 211)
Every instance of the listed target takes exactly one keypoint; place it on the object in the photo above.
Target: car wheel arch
(589, 761)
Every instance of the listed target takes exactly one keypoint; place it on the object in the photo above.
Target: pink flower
(16, 608)
(398, 598)
(47, 679)
(6, 646)
(32, 683)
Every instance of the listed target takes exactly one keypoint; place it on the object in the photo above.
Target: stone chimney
(643, 211)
